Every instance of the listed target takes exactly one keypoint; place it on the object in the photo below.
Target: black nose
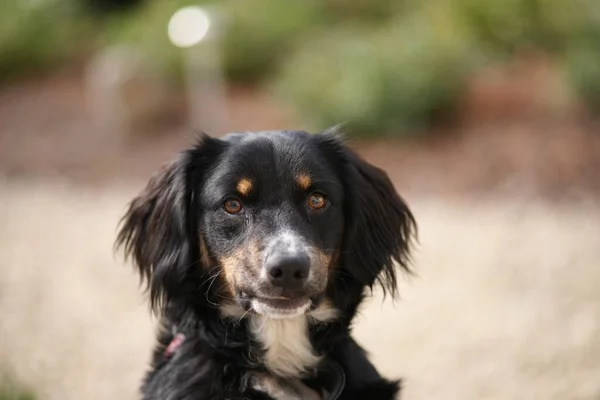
(288, 271)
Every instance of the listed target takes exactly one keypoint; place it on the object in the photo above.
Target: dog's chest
(288, 351)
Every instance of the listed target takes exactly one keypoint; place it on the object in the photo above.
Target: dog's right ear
(159, 229)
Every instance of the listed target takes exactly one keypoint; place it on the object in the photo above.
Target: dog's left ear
(159, 230)
(379, 225)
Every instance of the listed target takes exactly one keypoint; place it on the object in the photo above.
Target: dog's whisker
(212, 277)
(224, 297)
(209, 271)
(209, 286)
(242, 317)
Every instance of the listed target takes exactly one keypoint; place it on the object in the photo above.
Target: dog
(257, 249)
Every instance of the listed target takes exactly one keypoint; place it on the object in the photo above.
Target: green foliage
(400, 75)
(146, 29)
(363, 11)
(256, 33)
(582, 57)
(9, 390)
(583, 70)
(507, 26)
(36, 35)
(393, 80)
(378, 65)
(261, 33)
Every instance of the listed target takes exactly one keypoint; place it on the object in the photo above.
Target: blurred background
(484, 113)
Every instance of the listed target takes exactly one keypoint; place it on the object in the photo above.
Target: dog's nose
(288, 271)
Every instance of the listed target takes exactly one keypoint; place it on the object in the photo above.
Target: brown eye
(317, 201)
(233, 206)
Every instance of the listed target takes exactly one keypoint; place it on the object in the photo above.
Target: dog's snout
(288, 271)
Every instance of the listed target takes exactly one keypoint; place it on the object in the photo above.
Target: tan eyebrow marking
(304, 181)
(244, 186)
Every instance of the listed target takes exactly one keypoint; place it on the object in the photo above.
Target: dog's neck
(288, 351)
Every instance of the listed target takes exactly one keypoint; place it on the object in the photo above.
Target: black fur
(164, 226)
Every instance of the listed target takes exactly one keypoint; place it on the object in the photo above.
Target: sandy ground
(506, 304)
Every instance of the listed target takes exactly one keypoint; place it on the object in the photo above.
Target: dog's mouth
(279, 307)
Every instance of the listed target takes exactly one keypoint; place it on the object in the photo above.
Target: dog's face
(272, 221)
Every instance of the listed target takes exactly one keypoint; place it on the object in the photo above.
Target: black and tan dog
(258, 249)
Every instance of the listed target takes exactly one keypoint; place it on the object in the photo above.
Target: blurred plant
(261, 33)
(145, 28)
(582, 58)
(392, 80)
(103, 7)
(567, 30)
(379, 65)
(256, 33)
(583, 70)
(10, 390)
(507, 26)
(36, 35)
(363, 11)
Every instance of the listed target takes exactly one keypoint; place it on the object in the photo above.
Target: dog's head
(267, 221)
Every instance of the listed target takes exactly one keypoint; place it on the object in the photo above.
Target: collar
(330, 379)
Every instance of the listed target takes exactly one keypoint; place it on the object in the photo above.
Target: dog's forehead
(287, 151)
(274, 158)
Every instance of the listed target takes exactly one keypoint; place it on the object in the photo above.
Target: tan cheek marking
(335, 258)
(230, 265)
(244, 186)
(255, 256)
(304, 181)
(204, 250)
(327, 259)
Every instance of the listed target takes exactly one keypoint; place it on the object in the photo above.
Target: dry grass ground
(506, 304)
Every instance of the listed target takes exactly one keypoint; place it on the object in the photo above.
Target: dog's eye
(232, 206)
(317, 201)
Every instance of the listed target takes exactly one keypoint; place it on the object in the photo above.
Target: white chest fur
(288, 351)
